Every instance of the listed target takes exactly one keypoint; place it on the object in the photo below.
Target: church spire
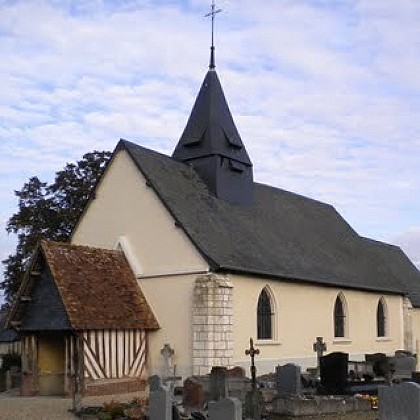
(212, 145)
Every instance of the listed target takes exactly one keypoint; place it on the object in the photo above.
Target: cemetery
(334, 389)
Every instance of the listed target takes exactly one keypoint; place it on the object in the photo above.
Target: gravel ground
(368, 415)
(39, 408)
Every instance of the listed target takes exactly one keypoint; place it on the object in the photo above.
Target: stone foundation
(114, 387)
(317, 405)
(28, 385)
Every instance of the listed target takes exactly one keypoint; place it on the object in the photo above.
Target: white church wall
(415, 319)
(126, 206)
(303, 312)
(171, 299)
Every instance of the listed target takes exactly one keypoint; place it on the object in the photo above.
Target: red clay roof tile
(98, 288)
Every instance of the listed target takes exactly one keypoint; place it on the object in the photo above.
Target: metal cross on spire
(212, 14)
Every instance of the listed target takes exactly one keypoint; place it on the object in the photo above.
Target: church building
(221, 258)
(217, 259)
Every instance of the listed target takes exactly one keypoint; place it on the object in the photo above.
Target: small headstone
(288, 379)
(155, 382)
(334, 369)
(400, 402)
(379, 361)
(404, 364)
(236, 372)
(193, 393)
(254, 405)
(160, 400)
(218, 387)
(176, 414)
(415, 376)
(225, 409)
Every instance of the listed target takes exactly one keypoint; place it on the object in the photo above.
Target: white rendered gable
(125, 207)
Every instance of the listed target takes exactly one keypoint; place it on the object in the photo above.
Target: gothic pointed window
(339, 317)
(381, 318)
(265, 316)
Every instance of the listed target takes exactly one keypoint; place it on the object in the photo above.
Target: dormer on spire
(212, 145)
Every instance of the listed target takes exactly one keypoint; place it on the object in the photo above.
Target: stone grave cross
(319, 347)
(167, 352)
(252, 352)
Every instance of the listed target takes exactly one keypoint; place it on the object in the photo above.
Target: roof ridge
(57, 244)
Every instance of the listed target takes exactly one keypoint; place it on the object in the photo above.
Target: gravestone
(404, 364)
(400, 402)
(288, 380)
(319, 348)
(225, 409)
(379, 361)
(415, 377)
(155, 382)
(167, 352)
(254, 405)
(160, 401)
(218, 387)
(334, 367)
(236, 372)
(193, 395)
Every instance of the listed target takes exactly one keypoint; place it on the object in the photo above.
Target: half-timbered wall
(110, 354)
(9, 347)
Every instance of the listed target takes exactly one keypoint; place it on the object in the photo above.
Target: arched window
(381, 318)
(340, 317)
(265, 316)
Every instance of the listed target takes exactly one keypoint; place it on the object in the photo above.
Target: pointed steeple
(212, 145)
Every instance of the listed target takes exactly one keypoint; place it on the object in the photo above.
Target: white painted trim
(343, 340)
(379, 339)
(127, 249)
(171, 273)
(268, 343)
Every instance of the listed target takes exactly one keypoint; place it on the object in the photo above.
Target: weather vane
(212, 14)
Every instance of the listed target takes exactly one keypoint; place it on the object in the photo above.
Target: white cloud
(324, 93)
(409, 241)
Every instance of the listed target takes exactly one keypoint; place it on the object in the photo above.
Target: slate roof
(81, 288)
(282, 235)
(8, 336)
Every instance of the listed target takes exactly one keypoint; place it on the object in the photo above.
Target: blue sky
(325, 94)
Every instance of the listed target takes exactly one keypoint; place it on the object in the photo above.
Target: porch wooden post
(66, 364)
(35, 371)
(79, 372)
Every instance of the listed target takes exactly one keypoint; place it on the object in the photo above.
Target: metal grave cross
(252, 352)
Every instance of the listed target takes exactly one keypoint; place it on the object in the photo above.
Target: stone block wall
(212, 323)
